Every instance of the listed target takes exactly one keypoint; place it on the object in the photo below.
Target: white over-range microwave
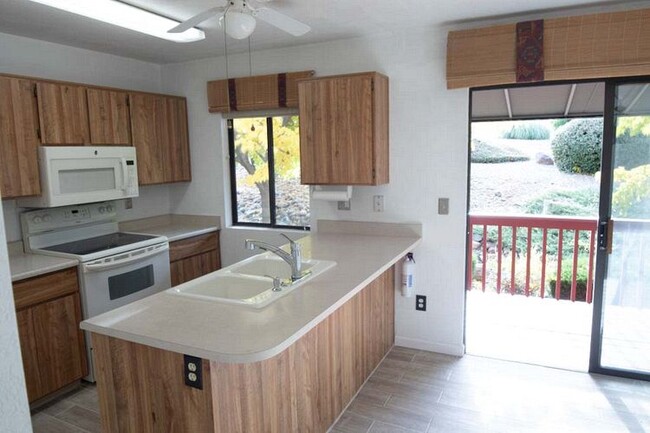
(84, 174)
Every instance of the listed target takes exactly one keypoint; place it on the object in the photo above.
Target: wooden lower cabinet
(52, 344)
(302, 389)
(193, 257)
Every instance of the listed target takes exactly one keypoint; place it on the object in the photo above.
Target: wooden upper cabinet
(344, 130)
(160, 136)
(177, 152)
(108, 114)
(18, 138)
(63, 114)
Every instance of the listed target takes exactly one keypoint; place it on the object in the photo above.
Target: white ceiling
(330, 20)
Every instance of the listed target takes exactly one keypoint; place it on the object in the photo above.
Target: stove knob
(102, 209)
(109, 208)
(47, 218)
(37, 219)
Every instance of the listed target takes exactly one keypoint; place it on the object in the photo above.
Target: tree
(251, 152)
(633, 125)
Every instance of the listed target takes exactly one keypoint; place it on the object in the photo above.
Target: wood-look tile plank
(82, 418)
(399, 417)
(44, 423)
(352, 423)
(380, 427)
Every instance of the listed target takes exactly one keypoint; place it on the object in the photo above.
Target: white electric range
(115, 268)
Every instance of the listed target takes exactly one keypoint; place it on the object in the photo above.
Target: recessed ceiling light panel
(126, 16)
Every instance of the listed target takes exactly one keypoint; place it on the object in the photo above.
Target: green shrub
(483, 153)
(582, 202)
(565, 282)
(527, 131)
(631, 196)
(559, 122)
(632, 151)
(577, 146)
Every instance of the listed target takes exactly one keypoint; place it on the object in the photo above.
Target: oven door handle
(133, 257)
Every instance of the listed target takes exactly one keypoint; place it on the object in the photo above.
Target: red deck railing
(491, 250)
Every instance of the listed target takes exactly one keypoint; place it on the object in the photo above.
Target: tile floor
(76, 412)
(417, 391)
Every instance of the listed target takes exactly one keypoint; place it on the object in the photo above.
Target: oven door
(118, 280)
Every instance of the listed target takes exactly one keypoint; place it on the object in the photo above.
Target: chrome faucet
(294, 259)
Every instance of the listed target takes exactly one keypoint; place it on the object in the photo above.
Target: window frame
(271, 164)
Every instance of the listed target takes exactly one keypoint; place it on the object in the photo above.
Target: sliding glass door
(621, 331)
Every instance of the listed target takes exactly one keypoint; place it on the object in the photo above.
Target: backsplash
(153, 201)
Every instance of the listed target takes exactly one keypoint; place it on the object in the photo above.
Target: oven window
(130, 282)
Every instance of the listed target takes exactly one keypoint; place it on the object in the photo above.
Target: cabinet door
(159, 125)
(108, 114)
(28, 349)
(177, 153)
(63, 114)
(336, 130)
(193, 267)
(148, 113)
(59, 342)
(18, 138)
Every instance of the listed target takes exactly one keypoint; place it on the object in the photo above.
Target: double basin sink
(250, 282)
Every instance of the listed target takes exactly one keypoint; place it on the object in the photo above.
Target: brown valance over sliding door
(603, 45)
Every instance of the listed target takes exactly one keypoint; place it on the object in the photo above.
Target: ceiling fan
(239, 19)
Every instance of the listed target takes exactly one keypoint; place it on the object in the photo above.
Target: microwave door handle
(127, 261)
(124, 170)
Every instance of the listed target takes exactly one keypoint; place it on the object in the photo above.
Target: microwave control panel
(131, 181)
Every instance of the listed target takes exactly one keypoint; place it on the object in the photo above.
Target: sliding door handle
(605, 235)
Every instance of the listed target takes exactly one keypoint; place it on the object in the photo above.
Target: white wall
(14, 409)
(428, 156)
(24, 56)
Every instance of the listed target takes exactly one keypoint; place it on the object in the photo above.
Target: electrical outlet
(443, 206)
(420, 303)
(128, 203)
(193, 370)
(378, 203)
(344, 205)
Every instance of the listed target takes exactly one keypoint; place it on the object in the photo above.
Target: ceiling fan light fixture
(239, 25)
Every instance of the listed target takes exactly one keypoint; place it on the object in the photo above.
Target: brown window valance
(255, 93)
(615, 44)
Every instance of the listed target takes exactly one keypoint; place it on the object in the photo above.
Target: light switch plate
(443, 206)
(344, 205)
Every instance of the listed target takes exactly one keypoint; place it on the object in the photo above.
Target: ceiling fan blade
(281, 21)
(196, 19)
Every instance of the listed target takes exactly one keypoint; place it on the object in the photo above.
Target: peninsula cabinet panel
(160, 136)
(302, 389)
(142, 390)
(108, 113)
(63, 113)
(18, 138)
(344, 130)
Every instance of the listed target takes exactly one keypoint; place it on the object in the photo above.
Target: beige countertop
(237, 334)
(24, 265)
(175, 227)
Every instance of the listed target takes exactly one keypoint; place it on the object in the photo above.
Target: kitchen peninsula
(292, 366)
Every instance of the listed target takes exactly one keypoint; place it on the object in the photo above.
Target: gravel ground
(506, 188)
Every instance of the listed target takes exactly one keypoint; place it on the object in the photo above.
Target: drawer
(45, 287)
(192, 246)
